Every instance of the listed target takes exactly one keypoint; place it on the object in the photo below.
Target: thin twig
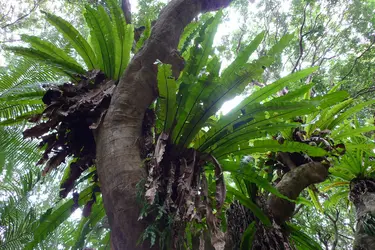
(297, 209)
(11, 41)
(126, 8)
(240, 40)
(36, 4)
(356, 60)
(300, 39)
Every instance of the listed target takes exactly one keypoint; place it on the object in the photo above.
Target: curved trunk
(291, 185)
(275, 237)
(119, 136)
(362, 194)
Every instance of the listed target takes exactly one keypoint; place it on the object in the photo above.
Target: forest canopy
(187, 124)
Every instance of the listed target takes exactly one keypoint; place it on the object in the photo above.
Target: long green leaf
(301, 239)
(263, 146)
(54, 218)
(203, 46)
(75, 38)
(349, 113)
(248, 237)
(222, 92)
(167, 97)
(326, 117)
(271, 89)
(315, 199)
(236, 116)
(87, 224)
(187, 36)
(347, 131)
(124, 37)
(65, 66)
(256, 118)
(342, 173)
(252, 176)
(21, 118)
(229, 73)
(48, 48)
(101, 28)
(336, 198)
(292, 95)
(190, 88)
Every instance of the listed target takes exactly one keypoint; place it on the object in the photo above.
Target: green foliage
(123, 40)
(167, 98)
(87, 224)
(144, 36)
(108, 48)
(187, 36)
(336, 198)
(199, 99)
(246, 173)
(21, 92)
(301, 240)
(52, 218)
(315, 199)
(15, 151)
(78, 42)
(17, 217)
(248, 236)
(65, 66)
(355, 163)
(247, 128)
(250, 205)
(187, 109)
(263, 146)
(49, 48)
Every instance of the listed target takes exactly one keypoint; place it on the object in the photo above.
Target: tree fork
(119, 164)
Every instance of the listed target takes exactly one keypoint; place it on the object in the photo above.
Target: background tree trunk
(362, 195)
(119, 136)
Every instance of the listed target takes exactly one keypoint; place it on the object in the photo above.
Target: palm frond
(16, 151)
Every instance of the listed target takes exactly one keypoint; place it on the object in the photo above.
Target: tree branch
(334, 222)
(356, 60)
(291, 185)
(364, 91)
(126, 8)
(300, 39)
(36, 4)
(346, 237)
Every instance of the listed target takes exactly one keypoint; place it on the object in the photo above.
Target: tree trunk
(119, 135)
(125, 6)
(291, 185)
(362, 194)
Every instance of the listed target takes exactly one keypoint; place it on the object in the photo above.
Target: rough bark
(118, 154)
(291, 185)
(364, 241)
(126, 8)
(362, 194)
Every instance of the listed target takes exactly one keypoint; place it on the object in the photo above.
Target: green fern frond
(75, 38)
